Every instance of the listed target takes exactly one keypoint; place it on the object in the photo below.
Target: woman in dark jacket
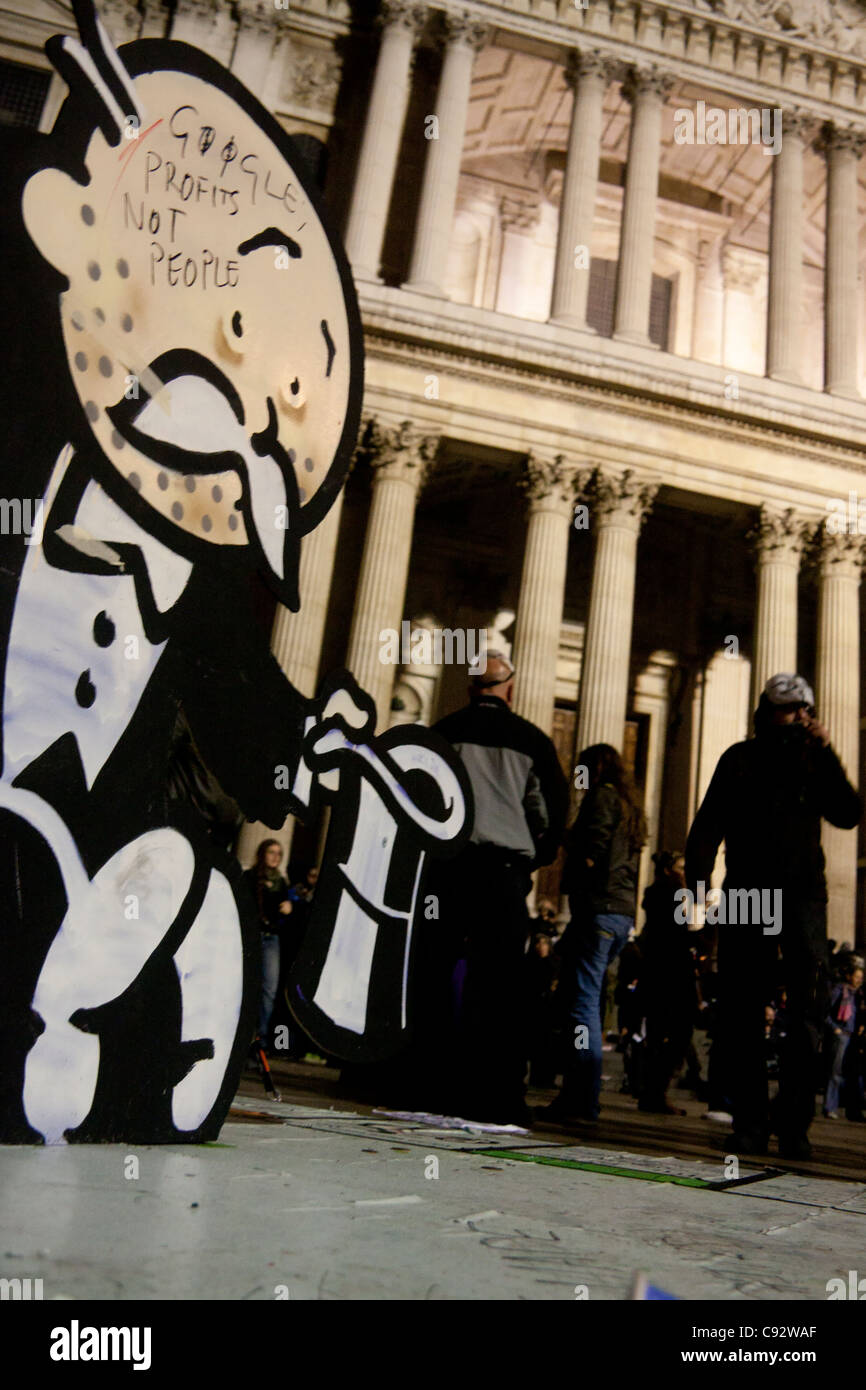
(271, 893)
(603, 849)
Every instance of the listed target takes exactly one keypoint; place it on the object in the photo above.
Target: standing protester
(302, 891)
(521, 800)
(302, 884)
(271, 893)
(855, 1059)
(766, 801)
(601, 878)
(840, 1034)
(668, 983)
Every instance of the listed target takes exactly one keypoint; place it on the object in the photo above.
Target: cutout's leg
(111, 929)
(211, 970)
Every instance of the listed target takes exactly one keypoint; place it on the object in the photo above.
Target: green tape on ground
(596, 1168)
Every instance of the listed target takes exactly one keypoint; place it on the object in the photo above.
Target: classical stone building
(609, 261)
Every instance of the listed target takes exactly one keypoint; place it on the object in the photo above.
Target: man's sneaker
(718, 1117)
(832, 1115)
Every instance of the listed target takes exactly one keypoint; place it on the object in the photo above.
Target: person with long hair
(603, 848)
(271, 893)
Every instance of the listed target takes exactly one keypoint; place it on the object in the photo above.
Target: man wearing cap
(521, 803)
(766, 801)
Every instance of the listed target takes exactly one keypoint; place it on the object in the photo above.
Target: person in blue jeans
(603, 848)
(271, 892)
(841, 1026)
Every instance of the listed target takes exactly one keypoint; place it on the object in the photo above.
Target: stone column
(121, 19)
(550, 486)
(205, 24)
(518, 218)
(652, 697)
(296, 642)
(741, 273)
(587, 74)
(54, 99)
(842, 149)
(708, 323)
(646, 89)
(401, 456)
(779, 537)
(464, 35)
(837, 696)
(619, 503)
(401, 21)
(155, 19)
(257, 32)
(785, 306)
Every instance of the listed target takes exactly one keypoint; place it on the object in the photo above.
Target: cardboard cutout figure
(181, 398)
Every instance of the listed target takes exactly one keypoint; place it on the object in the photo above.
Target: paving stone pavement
(342, 1206)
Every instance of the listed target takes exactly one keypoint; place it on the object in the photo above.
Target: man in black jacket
(766, 801)
(521, 802)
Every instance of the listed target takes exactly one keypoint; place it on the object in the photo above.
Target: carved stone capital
(649, 81)
(550, 482)
(258, 16)
(583, 62)
(205, 11)
(402, 452)
(843, 139)
(741, 269)
(516, 214)
(155, 16)
(779, 535)
(403, 14)
(121, 19)
(617, 499)
(840, 553)
(458, 26)
(799, 125)
(315, 78)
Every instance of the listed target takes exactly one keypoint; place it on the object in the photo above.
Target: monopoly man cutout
(180, 400)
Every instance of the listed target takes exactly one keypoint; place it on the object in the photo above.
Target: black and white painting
(180, 399)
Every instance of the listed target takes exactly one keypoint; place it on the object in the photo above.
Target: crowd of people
(501, 999)
(660, 1013)
(284, 905)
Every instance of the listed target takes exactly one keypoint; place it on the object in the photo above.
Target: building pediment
(839, 25)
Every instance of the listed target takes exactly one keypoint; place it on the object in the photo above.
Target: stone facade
(608, 265)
